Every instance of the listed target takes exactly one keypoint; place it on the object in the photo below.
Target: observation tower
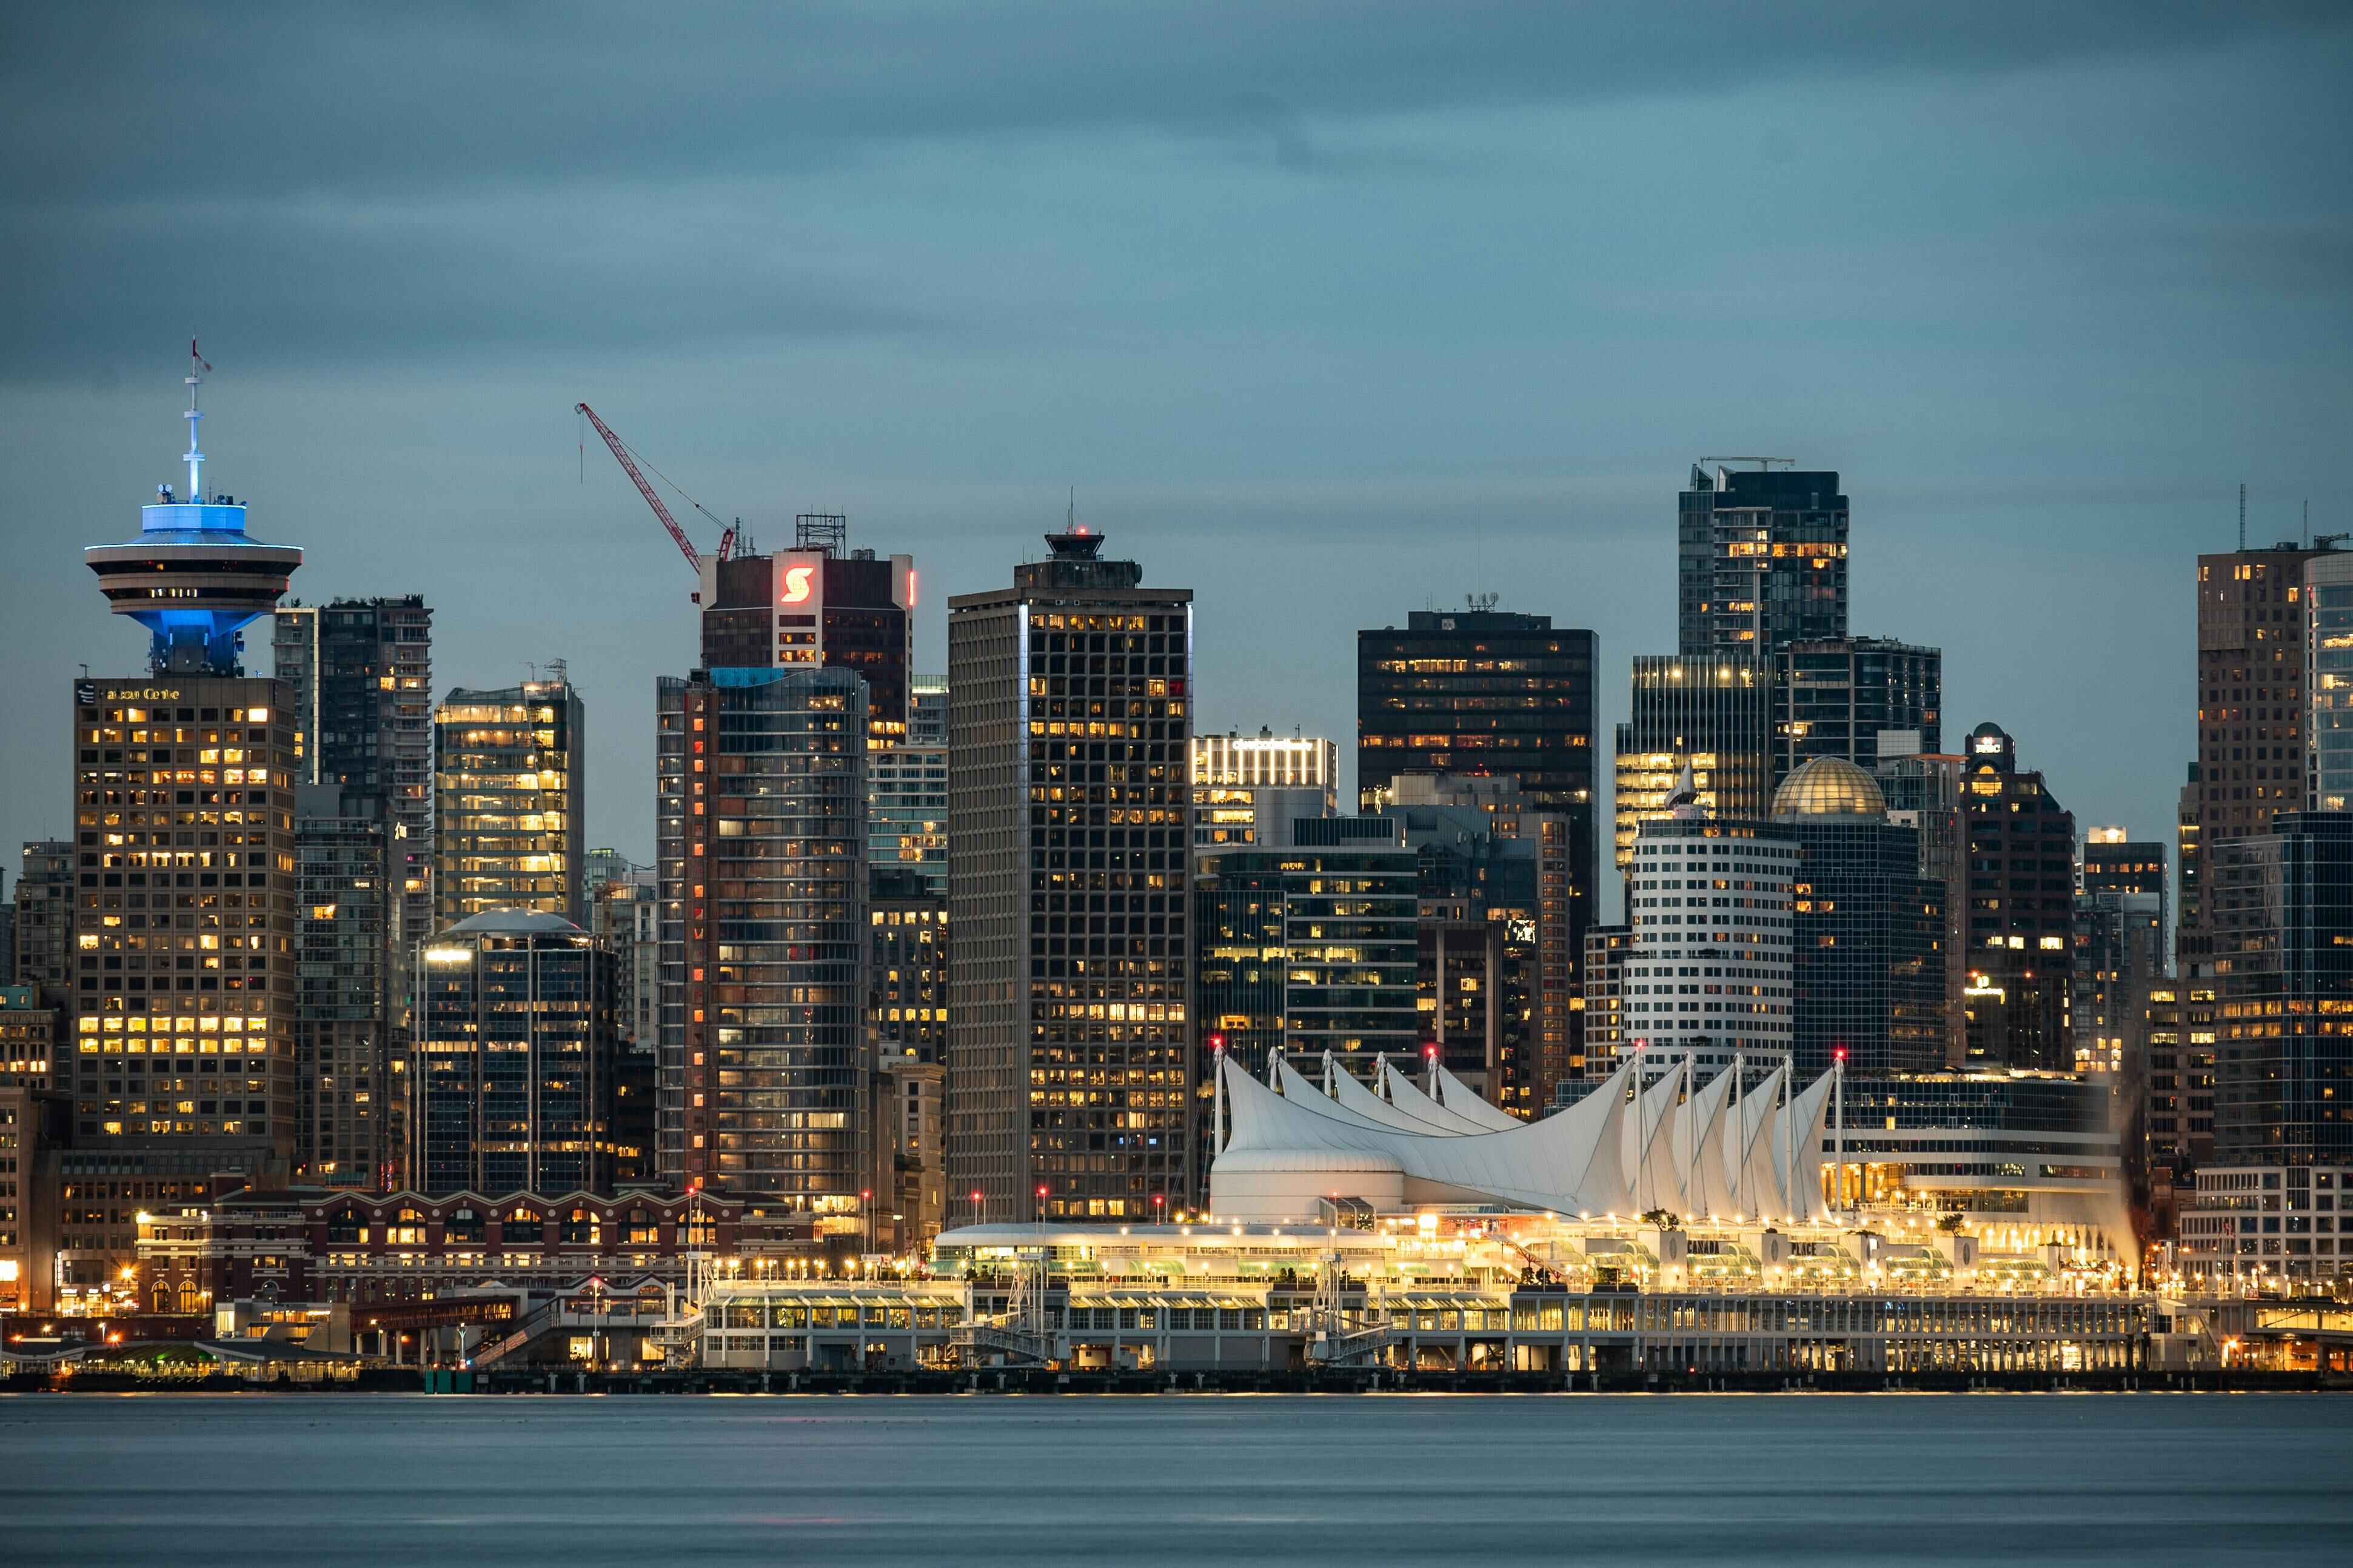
(193, 577)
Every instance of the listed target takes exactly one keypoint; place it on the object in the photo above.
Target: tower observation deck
(193, 577)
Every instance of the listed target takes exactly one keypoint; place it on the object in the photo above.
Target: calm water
(1197, 1480)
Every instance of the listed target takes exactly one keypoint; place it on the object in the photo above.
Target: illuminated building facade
(818, 604)
(1488, 854)
(183, 995)
(1231, 773)
(761, 843)
(1867, 969)
(908, 973)
(32, 1124)
(1709, 714)
(2328, 654)
(509, 794)
(1710, 974)
(45, 912)
(29, 1037)
(1602, 995)
(2281, 916)
(1069, 889)
(1760, 561)
(351, 1069)
(1833, 697)
(512, 1066)
(2021, 904)
(361, 671)
(2254, 748)
(907, 826)
(1923, 791)
(2121, 930)
(1308, 948)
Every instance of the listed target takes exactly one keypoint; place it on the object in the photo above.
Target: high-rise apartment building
(1867, 971)
(1070, 1075)
(761, 832)
(509, 797)
(2021, 904)
(818, 604)
(361, 671)
(1709, 976)
(1833, 697)
(2281, 919)
(512, 1063)
(349, 1067)
(1233, 772)
(183, 996)
(1760, 560)
(2253, 703)
(1707, 712)
(627, 923)
(2328, 659)
(2115, 863)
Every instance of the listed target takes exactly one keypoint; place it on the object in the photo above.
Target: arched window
(521, 1227)
(463, 1225)
(408, 1229)
(191, 1299)
(580, 1228)
(163, 1297)
(345, 1227)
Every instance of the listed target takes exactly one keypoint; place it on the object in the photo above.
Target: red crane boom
(621, 456)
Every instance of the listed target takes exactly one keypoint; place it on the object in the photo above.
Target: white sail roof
(1408, 1098)
(1466, 1103)
(1569, 1162)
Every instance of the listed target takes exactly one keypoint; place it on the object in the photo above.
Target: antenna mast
(2243, 519)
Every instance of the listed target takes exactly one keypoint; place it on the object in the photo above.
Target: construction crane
(628, 466)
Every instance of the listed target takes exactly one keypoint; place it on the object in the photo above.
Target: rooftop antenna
(196, 366)
(2243, 519)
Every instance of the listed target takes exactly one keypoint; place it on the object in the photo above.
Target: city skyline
(1405, 318)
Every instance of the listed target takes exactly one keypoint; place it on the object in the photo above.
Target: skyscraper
(362, 675)
(1231, 773)
(1923, 793)
(1868, 929)
(351, 1067)
(511, 1076)
(1709, 973)
(509, 794)
(44, 917)
(2282, 968)
(2021, 899)
(2328, 657)
(1484, 691)
(1707, 712)
(907, 825)
(1834, 696)
(1070, 1074)
(183, 981)
(818, 604)
(1760, 560)
(2120, 940)
(2254, 748)
(760, 820)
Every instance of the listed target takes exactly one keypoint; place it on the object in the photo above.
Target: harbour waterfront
(1177, 1479)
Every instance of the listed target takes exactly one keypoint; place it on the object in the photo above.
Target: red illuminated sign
(797, 584)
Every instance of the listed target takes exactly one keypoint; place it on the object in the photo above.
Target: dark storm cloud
(299, 176)
(173, 101)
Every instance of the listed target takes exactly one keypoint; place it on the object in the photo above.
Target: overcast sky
(1328, 312)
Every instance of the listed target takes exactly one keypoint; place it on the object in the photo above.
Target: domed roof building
(1869, 976)
(1829, 787)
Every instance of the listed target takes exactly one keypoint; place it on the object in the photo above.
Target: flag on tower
(201, 363)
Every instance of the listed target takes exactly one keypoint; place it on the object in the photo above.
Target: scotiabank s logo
(797, 584)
